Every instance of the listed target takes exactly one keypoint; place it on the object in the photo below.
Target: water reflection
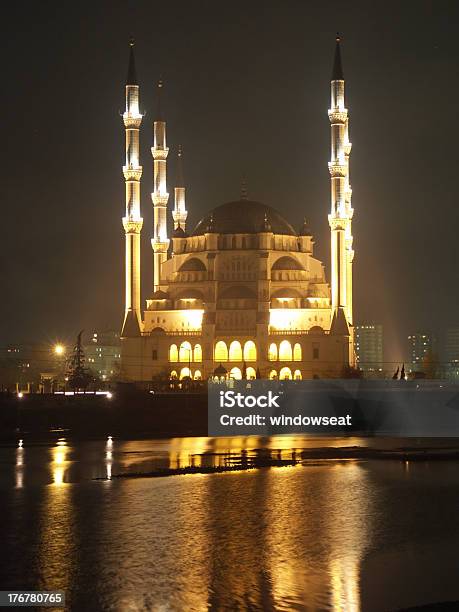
(19, 471)
(290, 538)
(58, 463)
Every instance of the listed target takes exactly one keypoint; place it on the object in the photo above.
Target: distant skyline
(246, 93)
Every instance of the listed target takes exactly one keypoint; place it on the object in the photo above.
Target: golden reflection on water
(324, 508)
(57, 539)
(19, 468)
(58, 462)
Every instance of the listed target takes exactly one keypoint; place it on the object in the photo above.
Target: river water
(324, 535)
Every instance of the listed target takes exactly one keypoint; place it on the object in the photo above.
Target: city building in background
(240, 294)
(421, 351)
(32, 367)
(451, 352)
(102, 354)
(368, 341)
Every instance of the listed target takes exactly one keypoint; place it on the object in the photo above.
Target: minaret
(132, 222)
(340, 217)
(160, 197)
(180, 212)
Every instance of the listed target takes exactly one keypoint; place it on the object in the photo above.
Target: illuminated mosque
(240, 295)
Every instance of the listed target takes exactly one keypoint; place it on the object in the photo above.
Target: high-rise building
(103, 353)
(368, 341)
(451, 352)
(240, 294)
(421, 346)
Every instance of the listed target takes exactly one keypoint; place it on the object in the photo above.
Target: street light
(59, 349)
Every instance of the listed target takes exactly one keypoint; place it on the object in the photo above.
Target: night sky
(246, 92)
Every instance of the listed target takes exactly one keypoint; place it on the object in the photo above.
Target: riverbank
(127, 413)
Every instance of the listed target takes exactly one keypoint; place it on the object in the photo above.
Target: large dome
(243, 217)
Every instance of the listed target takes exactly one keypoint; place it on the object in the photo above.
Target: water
(327, 535)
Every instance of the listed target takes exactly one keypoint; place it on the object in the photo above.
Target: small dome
(192, 265)
(159, 295)
(179, 232)
(220, 371)
(305, 231)
(243, 217)
(287, 263)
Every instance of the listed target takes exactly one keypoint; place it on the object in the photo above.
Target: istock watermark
(427, 408)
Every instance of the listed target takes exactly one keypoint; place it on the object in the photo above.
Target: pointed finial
(266, 225)
(244, 195)
(337, 74)
(132, 74)
(159, 115)
(180, 179)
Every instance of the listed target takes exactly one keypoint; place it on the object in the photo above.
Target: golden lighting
(59, 349)
(59, 454)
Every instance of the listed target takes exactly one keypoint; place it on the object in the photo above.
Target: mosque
(240, 295)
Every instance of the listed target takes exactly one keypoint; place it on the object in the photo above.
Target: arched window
(251, 373)
(185, 353)
(297, 375)
(285, 351)
(235, 351)
(285, 374)
(197, 375)
(185, 372)
(297, 352)
(272, 352)
(197, 354)
(173, 374)
(236, 373)
(221, 351)
(272, 375)
(250, 351)
(173, 353)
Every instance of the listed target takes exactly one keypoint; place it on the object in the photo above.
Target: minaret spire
(180, 212)
(132, 221)
(160, 196)
(340, 217)
(337, 74)
(132, 73)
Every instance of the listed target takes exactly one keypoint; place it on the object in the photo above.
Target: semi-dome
(287, 263)
(243, 217)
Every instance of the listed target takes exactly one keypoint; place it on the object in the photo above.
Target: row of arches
(285, 374)
(185, 352)
(285, 351)
(235, 352)
(186, 373)
(237, 374)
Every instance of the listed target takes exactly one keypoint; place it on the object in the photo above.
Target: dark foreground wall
(126, 414)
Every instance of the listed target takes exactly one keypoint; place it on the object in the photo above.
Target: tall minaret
(340, 217)
(160, 197)
(132, 222)
(180, 212)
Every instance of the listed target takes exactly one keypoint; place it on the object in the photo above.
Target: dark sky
(247, 91)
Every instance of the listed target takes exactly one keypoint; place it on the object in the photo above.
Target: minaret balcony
(160, 245)
(337, 170)
(160, 199)
(131, 173)
(132, 226)
(337, 116)
(132, 121)
(159, 153)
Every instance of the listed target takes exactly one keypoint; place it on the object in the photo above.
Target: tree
(79, 377)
